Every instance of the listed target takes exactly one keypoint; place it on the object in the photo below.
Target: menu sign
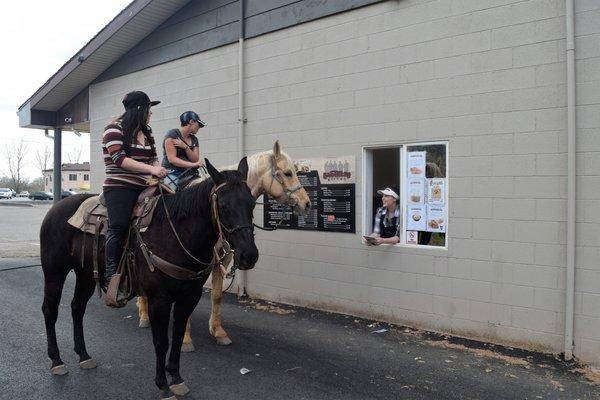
(416, 191)
(416, 164)
(436, 193)
(417, 218)
(330, 184)
(436, 219)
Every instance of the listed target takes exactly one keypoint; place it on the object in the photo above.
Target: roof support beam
(57, 173)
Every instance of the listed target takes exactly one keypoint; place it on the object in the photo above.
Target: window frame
(367, 188)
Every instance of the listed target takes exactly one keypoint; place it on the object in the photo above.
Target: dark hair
(132, 120)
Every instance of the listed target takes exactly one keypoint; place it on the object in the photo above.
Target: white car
(6, 193)
(24, 193)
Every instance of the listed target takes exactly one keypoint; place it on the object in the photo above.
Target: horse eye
(288, 174)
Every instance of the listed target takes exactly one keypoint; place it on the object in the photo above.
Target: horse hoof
(144, 323)
(180, 389)
(187, 347)
(88, 364)
(59, 370)
(223, 340)
(167, 395)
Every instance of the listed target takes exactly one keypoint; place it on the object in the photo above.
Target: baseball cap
(136, 99)
(388, 192)
(190, 116)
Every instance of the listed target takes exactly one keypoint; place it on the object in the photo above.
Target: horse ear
(243, 167)
(216, 176)
(276, 148)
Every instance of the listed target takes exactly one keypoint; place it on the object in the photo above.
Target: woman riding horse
(218, 209)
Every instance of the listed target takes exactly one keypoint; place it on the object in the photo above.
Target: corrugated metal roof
(128, 28)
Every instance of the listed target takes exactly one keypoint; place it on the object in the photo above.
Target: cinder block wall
(489, 76)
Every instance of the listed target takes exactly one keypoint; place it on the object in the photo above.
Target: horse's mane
(193, 201)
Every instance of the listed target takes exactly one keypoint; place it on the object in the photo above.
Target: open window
(418, 174)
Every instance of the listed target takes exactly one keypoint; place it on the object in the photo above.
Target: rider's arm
(172, 156)
(113, 139)
(192, 153)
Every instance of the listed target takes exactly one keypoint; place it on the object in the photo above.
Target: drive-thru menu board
(331, 186)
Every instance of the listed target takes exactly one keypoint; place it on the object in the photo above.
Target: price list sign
(330, 184)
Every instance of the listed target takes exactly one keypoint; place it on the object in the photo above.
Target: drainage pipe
(571, 177)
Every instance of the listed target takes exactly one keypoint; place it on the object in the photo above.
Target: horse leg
(216, 294)
(188, 346)
(159, 310)
(142, 305)
(181, 315)
(53, 286)
(84, 289)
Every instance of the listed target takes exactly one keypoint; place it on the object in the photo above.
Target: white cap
(388, 192)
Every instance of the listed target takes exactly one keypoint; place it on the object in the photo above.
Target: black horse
(192, 213)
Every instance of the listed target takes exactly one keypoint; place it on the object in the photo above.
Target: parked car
(24, 193)
(66, 193)
(41, 196)
(6, 193)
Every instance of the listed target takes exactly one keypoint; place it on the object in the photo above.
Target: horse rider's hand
(200, 164)
(158, 171)
(180, 143)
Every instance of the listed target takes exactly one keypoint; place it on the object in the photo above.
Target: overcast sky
(37, 37)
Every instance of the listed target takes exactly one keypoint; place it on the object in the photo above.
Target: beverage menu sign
(331, 186)
(416, 191)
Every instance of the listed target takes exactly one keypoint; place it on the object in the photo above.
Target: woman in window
(386, 228)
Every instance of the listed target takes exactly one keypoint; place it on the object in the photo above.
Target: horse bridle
(275, 177)
(222, 241)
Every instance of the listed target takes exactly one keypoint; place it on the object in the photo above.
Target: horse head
(280, 182)
(233, 207)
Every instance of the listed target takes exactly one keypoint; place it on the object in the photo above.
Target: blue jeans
(172, 178)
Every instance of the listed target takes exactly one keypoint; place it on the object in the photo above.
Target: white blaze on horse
(271, 172)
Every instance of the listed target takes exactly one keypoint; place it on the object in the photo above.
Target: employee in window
(386, 228)
(180, 148)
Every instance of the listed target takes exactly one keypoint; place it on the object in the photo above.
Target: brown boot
(114, 297)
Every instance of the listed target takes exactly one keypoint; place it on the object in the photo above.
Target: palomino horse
(270, 172)
(217, 210)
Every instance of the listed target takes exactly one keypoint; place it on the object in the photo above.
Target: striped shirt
(114, 154)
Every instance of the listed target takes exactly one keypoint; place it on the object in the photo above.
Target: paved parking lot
(20, 228)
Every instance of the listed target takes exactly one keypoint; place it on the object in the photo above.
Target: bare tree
(43, 159)
(15, 156)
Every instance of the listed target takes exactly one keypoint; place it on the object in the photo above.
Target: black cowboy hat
(137, 98)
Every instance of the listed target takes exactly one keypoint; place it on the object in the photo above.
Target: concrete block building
(501, 98)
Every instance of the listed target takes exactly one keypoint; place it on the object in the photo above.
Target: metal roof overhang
(127, 29)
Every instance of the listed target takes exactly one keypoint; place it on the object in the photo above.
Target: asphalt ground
(20, 227)
(292, 353)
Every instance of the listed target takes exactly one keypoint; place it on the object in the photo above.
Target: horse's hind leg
(142, 305)
(54, 280)
(84, 289)
(216, 293)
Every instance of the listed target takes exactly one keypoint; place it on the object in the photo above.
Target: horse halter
(275, 177)
(214, 198)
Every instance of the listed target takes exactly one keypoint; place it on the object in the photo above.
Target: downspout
(241, 121)
(571, 177)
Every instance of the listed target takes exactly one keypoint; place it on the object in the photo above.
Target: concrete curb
(16, 204)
